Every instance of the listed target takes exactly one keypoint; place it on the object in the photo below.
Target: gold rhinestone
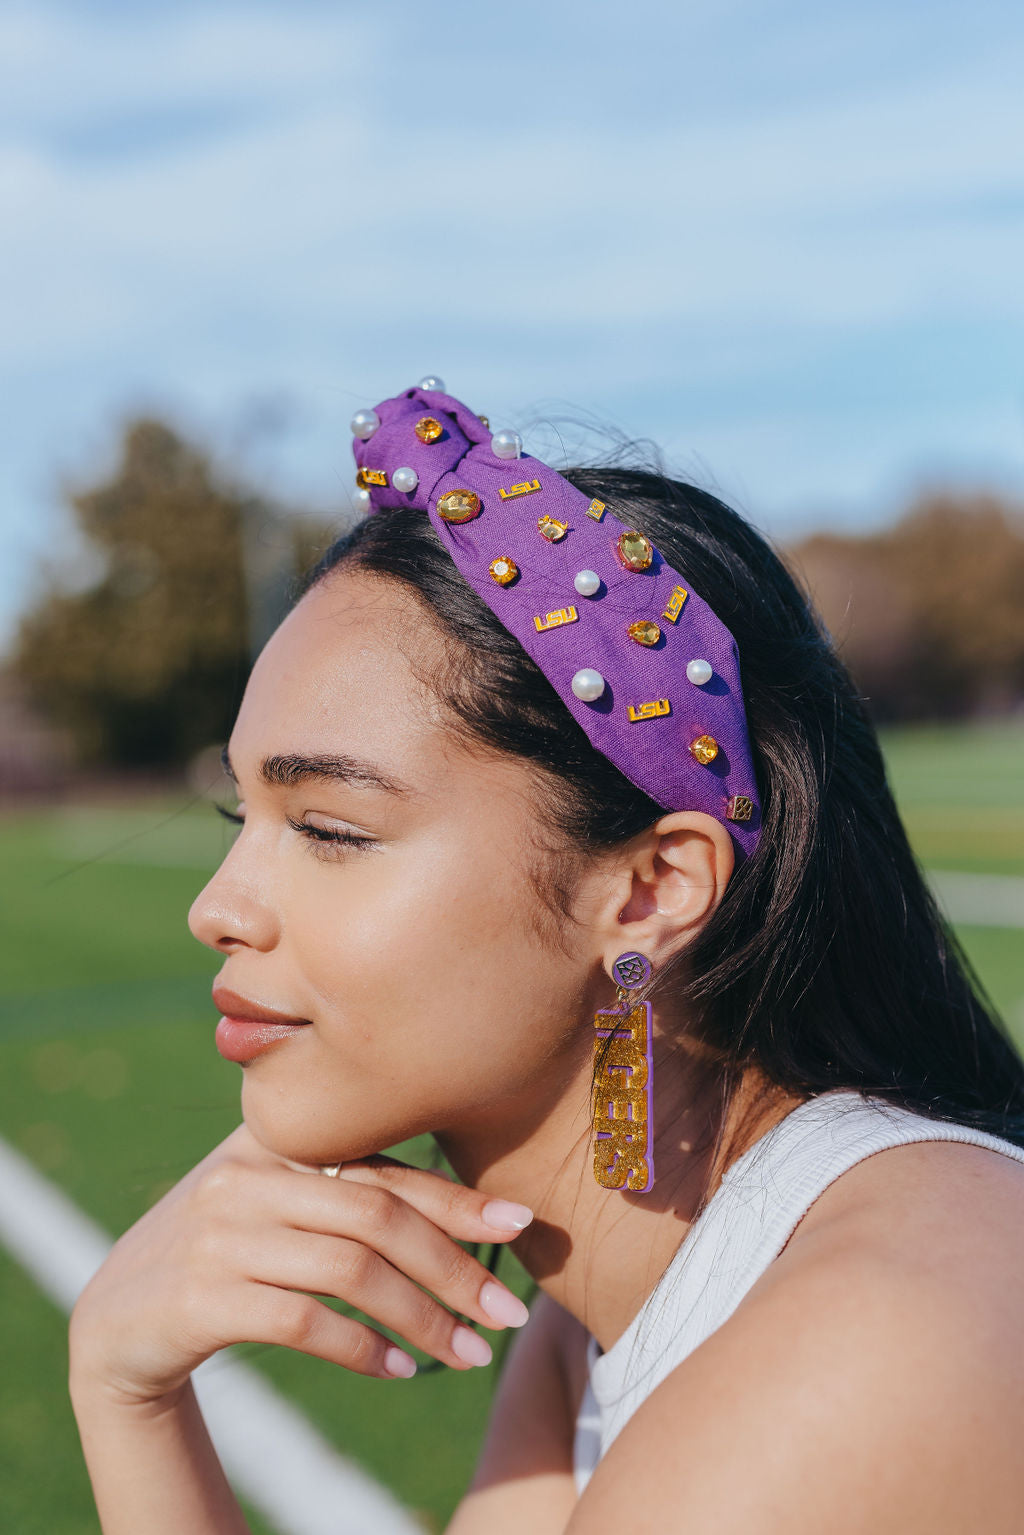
(596, 509)
(551, 529)
(459, 505)
(634, 550)
(428, 429)
(503, 570)
(486, 423)
(705, 749)
(367, 477)
(739, 808)
(644, 632)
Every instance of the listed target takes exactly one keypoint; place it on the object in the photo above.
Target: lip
(246, 1029)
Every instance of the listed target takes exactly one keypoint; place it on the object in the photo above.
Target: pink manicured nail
(470, 1347)
(503, 1215)
(399, 1364)
(502, 1306)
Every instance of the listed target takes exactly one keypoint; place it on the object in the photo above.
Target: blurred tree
(148, 664)
(928, 613)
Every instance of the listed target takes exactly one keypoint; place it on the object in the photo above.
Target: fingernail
(503, 1215)
(502, 1306)
(470, 1347)
(399, 1364)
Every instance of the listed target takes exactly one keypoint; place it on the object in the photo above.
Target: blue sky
(784, 240)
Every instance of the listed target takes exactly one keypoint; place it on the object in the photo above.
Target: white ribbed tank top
(745, 1225)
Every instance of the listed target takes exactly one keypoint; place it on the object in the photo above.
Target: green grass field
(112, 1086)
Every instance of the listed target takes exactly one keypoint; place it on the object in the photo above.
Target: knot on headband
(637, 657)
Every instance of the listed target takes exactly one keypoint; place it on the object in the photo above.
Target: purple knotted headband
(638, 659)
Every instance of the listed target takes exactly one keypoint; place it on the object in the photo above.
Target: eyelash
(316, 834)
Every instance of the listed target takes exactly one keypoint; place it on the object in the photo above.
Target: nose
(232, 912)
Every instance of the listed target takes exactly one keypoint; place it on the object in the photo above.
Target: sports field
(112, 1087)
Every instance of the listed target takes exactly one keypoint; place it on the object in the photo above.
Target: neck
(598, 1252)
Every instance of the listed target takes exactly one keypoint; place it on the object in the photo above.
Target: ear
(673, 876)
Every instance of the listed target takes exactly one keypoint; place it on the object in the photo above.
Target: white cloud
(759, 212)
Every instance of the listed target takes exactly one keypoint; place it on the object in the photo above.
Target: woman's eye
(333, 835)
(322, 836)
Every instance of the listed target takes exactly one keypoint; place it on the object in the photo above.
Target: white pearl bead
(506, 445)
(586, 582)
(699, 672)
(365, 423)
(361, 500)
(405, 479)
(588, 684)
(431, 383)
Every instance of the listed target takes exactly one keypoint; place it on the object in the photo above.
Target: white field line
(272, 1453)
(980, 900)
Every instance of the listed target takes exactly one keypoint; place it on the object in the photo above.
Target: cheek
(421, 954)
(434, 1003)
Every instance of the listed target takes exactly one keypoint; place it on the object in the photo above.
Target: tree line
(144, 664)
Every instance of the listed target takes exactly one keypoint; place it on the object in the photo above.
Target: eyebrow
(295, 768)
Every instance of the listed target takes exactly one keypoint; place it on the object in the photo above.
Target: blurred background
(782, 242)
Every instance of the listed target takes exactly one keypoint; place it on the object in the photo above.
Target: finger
(363, 1278)
(463, 1212)
(303, 1323)
(379, 1220)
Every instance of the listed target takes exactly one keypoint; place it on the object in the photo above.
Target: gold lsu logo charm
(650, 711)
(559, 616)
(524, 488)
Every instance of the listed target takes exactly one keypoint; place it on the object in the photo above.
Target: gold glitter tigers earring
(624, 1073)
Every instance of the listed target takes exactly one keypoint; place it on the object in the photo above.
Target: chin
(300, 1137)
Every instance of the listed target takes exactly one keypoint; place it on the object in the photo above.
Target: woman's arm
(239, 1251)
(153, 1467)
(524, 1480)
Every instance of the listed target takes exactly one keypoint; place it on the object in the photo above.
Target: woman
(525, 866)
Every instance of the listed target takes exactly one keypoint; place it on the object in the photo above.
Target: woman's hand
(237, 1251)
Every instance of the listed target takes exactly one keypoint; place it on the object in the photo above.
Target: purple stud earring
(632, 970)
(623, 1078)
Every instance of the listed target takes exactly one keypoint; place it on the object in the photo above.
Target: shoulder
(870, 1380)
(922, 1202)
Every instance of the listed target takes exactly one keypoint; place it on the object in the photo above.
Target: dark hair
(827, 963)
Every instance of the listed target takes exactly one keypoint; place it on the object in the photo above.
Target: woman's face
(418, 956)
